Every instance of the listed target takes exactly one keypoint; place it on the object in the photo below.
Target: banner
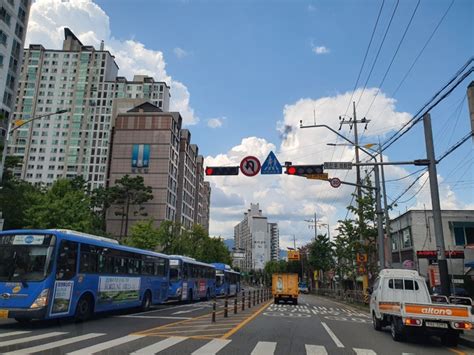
(62, 297)
(140, 156)
(118, 289)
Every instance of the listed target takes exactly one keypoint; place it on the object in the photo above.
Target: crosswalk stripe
(332, 335)
(315, 350)
(55, 344)
(157, 347)
(212, 347)
(264, 348)
(32, 338)
(10, 334)
(364, 351)
(108, 344)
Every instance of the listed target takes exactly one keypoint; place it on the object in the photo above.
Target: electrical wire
(455, 146)
(378, 52)
(408, 188)
(417, 192)
(365, 56)
(393, 58)
(406, 176)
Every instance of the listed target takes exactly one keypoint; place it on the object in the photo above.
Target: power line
(423, 48)
(365, 56)
(406, 176)
(426, 108)
(393, 57)
(409, 187)
(417, 192)
(455, 146)
(378, 52)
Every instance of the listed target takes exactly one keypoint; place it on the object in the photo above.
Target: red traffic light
(291, 170)
(222, 170)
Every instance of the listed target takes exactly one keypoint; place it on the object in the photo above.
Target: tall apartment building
(206, 206)
(257, 238)
(185, 206)
(146, 142)
(84, 81)
(13, 23)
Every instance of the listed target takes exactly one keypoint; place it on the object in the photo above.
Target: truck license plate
(3, 313)
(436, 325)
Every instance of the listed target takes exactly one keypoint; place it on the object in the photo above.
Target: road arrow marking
(189, 311)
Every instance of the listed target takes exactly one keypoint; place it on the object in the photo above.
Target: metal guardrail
(351, 296)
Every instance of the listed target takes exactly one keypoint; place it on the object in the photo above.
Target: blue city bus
(191, 280)
(59, 273)
(227, 280)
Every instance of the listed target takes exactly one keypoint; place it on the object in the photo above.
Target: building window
(5, 16)
(3, 38)
(463, 233)
(406, 238)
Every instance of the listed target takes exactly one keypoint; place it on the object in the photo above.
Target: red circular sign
(250, 166)
(335, 182)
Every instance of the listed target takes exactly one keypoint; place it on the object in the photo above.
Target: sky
(244, 73)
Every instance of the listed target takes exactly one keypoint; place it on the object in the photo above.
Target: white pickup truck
(400, 299)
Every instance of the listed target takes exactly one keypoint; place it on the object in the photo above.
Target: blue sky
(253, 66)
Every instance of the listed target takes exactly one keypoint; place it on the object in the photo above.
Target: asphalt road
(316, 326)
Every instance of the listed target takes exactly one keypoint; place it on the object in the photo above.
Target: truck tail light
(413, 322)
(462, 325)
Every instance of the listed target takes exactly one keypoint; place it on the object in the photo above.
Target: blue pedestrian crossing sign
(271, 165)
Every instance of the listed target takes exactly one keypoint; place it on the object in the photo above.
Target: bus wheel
(208, 295)
(83, 309)
(190, 297)
(146, 302)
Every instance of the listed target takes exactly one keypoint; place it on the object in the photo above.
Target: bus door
(67, 286)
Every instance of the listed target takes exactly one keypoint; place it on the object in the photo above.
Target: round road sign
(335, 182)
(250, 166)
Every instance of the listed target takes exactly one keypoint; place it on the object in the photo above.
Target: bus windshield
(25, 257)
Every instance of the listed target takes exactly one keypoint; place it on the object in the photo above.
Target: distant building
(257, 238)
(84, 80)
(413, 241)
(146, 143)
(206, 206)
(13, 24)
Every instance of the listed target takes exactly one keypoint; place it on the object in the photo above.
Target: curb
(466, 342)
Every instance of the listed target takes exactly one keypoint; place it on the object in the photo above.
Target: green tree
(127, 192)
(62, 206)
(143, 235)
(16, 196)
(321, 256)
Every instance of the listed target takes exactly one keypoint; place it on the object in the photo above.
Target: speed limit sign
(335, 182)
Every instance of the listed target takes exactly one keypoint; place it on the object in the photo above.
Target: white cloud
(91, 24)
(289, 200)
(180, 52)
(320, 50)
(216, 122)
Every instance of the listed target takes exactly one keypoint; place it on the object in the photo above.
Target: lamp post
(9, 130)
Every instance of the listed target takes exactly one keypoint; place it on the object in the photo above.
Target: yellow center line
(243, 323)
(457, 351)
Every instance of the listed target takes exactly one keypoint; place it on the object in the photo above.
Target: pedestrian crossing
(24, 342)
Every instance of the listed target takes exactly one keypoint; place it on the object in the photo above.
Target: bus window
(174, 272)
(89, 262)
(67, 260)
(160, 267)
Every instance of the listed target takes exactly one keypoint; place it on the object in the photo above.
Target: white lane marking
(32, 338)
(160, 346)
(264, 348)
(212, 347)
(10, 334)
(156, 310)
(55, 344)
(332, 335)
(157, 317)
(189, 311)
(364, 351)
(315, 350)
(108, 344)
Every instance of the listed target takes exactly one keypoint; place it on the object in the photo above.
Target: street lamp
(9, 130)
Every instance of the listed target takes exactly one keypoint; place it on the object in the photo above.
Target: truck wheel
(295, 301)
(450, 339)
(396, 329)
(276, 300)
(376, 322)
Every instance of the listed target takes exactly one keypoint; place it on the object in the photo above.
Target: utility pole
(438, 224)
(355, 122)
(315, 225)
(385, 205)
(470, 101)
